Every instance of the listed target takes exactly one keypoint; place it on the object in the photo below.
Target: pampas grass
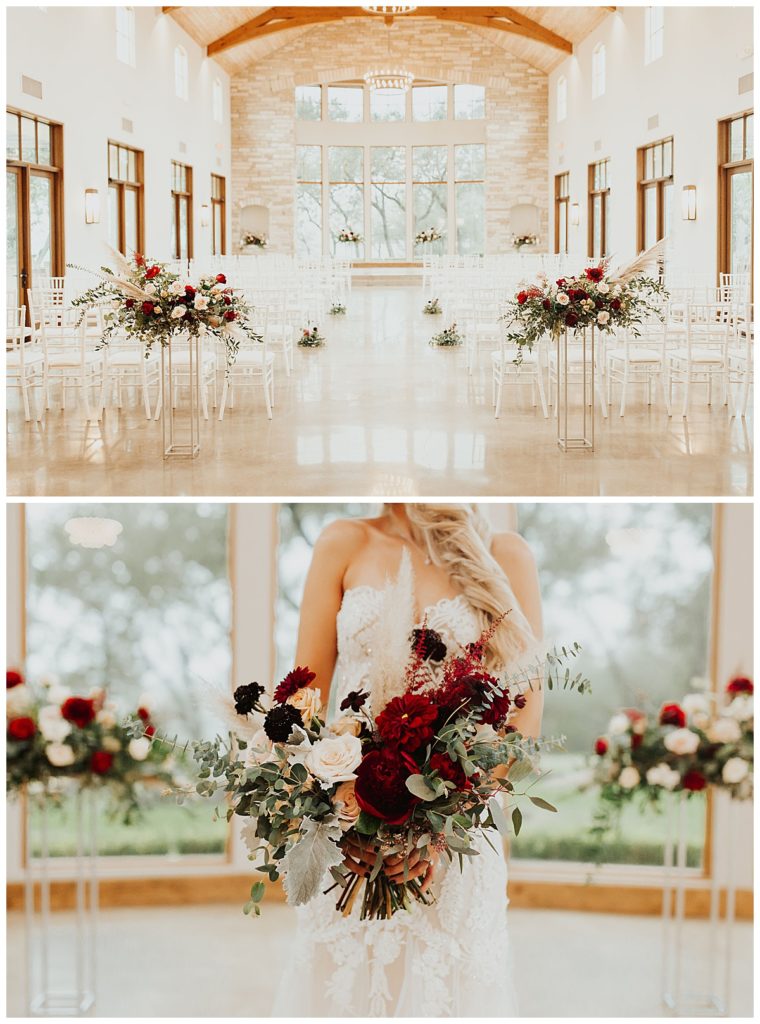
(390, 638)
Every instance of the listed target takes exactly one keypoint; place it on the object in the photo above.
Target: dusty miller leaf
(309, 859)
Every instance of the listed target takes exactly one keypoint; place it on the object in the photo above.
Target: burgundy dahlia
(293, 682)
(407, 722)
(450, 771)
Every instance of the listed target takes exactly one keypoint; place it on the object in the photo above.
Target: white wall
(72, 51)
(690, 88)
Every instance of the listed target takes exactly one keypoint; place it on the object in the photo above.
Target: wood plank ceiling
(237, 37)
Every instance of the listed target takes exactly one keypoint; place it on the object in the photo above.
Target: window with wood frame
(182, 211)
(655, 192)
(561, 211)
(218, 215)
(598, 208)
(126, 207)
(735, 195)
(34, 203)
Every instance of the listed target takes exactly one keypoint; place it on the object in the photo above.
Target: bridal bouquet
(427, 235)
(52, 734)
(347, 235)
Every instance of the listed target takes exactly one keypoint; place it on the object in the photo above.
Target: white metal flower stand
(181, 366)
(578, 433)
(61, 967)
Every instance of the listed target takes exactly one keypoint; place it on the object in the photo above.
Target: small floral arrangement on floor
(518, 241)
(337, 309)
(52, 734)
(149, 303)
(447, 337)
(311, 338)
(427, 235)
(347, 235)
(432, 307)
(255, 241)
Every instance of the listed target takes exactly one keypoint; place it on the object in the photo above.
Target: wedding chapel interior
(379, 183)
(157, 602)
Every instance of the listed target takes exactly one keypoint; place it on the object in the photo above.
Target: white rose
(563, 298)
(700, 720)
(60, 754)
(603, 317)
(603, 288)
(201, 302)
(178, 312)
(111, 744)
(18, 700)
(52, 725)
(741, 708)
(175, 288)
(149, 289)
(346, 726)
(106, 718)
(663, 775)
(629, 778)
(139, 749)
(695, 702)
(724, 730)
(681, 741)
(259, 749)
(308, 701)
(618, 725)
(334, 759)
(734, 770)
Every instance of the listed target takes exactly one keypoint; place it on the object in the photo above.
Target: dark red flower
(407, 721)
(381, 785)
(740, 685)
(694, 781)
(673, 714)
(227, 300)
(21, 728)
(78, 710)
(230, 315)
(147, 307)
(152, 272)
(139, 259)
(143, 714)
(594, 273)
(189, 290)
(561, 282)
(601, 746)
(496, 712)
(616, 304)
(571, 319)
(130, 303)
(450, 770)
(547, 304)
(355, 701)
(636, 740)
(522, 297)
(428, 645)
(292, 682)
(101, 762)
(13, 678)
(150, 730)
(221, 279)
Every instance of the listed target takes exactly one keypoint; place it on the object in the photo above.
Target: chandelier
(389, 80)
(389, 11)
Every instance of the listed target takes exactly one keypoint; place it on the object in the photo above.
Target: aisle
(380, 412)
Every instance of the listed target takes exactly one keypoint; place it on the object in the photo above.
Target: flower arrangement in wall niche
(447, 338)
(347, 235)
(54, 735)
(432, 307)
(519, 241)
(250, 240)
(311, 338)
(337, 309)
(427, 235)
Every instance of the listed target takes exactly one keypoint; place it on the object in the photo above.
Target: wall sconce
(205, 215)
(689, 202)
(91, 206)
(575, 214)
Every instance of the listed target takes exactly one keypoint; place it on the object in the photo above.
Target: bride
(450, 959)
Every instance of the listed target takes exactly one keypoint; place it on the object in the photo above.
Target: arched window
(180, 73)
(125, 35)
(561, 98)
(217, 101)
(598, 71)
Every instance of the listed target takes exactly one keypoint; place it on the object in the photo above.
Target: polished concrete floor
(211, 961)
(378, 412)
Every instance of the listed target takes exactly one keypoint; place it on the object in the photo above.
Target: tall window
(561, 211)
(655, 192)
(125, 35)
(34, 202)
(217, 101)
(469, 177)
(181, 74)
(469, 102)
(430, 189)
(735, 210)
(429, 102)
(218, 215)
(561, 98)
(388, 201)
(126, 221)
(308, 200)
(182, 211)
(654, 33)
(598, 208)
(345, 103)
(309, 103)
(598, 71)
(345, 165)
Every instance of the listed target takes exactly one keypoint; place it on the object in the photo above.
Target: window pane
(562, 227)
(308, 220)
(736, 139)
(130, 220)
(346, 163)
(183, 229)
(740, 198)
(12, 150)
(667, 210)
(388, 220)
(308, 103)
(309, 163)
(429, 102)
(430, 210)
(387, 106)
(750, 142)
(41, 226)
(469, 102)
(218, 223)
(43, 143)
(471, 205)
(345, 103)
(649, 162)
(123, 164)
(113, 162)
(346, 211)
(12, 265)
(388, 163)
(28, 140)
(657, 167)
(606, 244)
(113, 217)
(470, 163)
(430, 163)
(596, 213)
(667, 159)
(131, 165)
(650, 216)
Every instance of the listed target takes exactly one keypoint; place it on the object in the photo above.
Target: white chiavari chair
(507, 370)
(741, 360)
(24, 358)
(632, 359)
(253, 366)
(703, 355)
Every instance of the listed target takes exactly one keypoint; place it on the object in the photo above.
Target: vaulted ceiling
(237, 37)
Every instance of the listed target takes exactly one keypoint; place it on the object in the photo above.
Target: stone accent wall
(263, 126)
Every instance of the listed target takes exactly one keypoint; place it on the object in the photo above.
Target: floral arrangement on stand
(53, 735)
(250, 240)
(347, 235)
(149, 303)
(432, 307)
(686, 747)
(337, 309)
(595, 298)
(427, 235)
(519, 241)
(311, 338)
(448, 337)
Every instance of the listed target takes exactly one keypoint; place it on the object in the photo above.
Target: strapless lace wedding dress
(445, 960)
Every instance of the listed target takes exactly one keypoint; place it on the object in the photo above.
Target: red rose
(78, 710)
(230, 315)
(601, 746)
(101, 762)
(673, 714)
(380, 786)
(147, 307)
(150, 730)
(740, 685)
(139, 260)
(21, 728)
(292, 682)
(547, 304)
(227, 300)
(152, 272)
(561, 282)
(407, 721)
(130, 303)
(143, 714)
(450, 771)
(616, 304)
(13, 678)
(694, 781)
(571, 319)
(221, 279)
(189, 290)
(522, 297)
(636, 740)
(594, 273)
